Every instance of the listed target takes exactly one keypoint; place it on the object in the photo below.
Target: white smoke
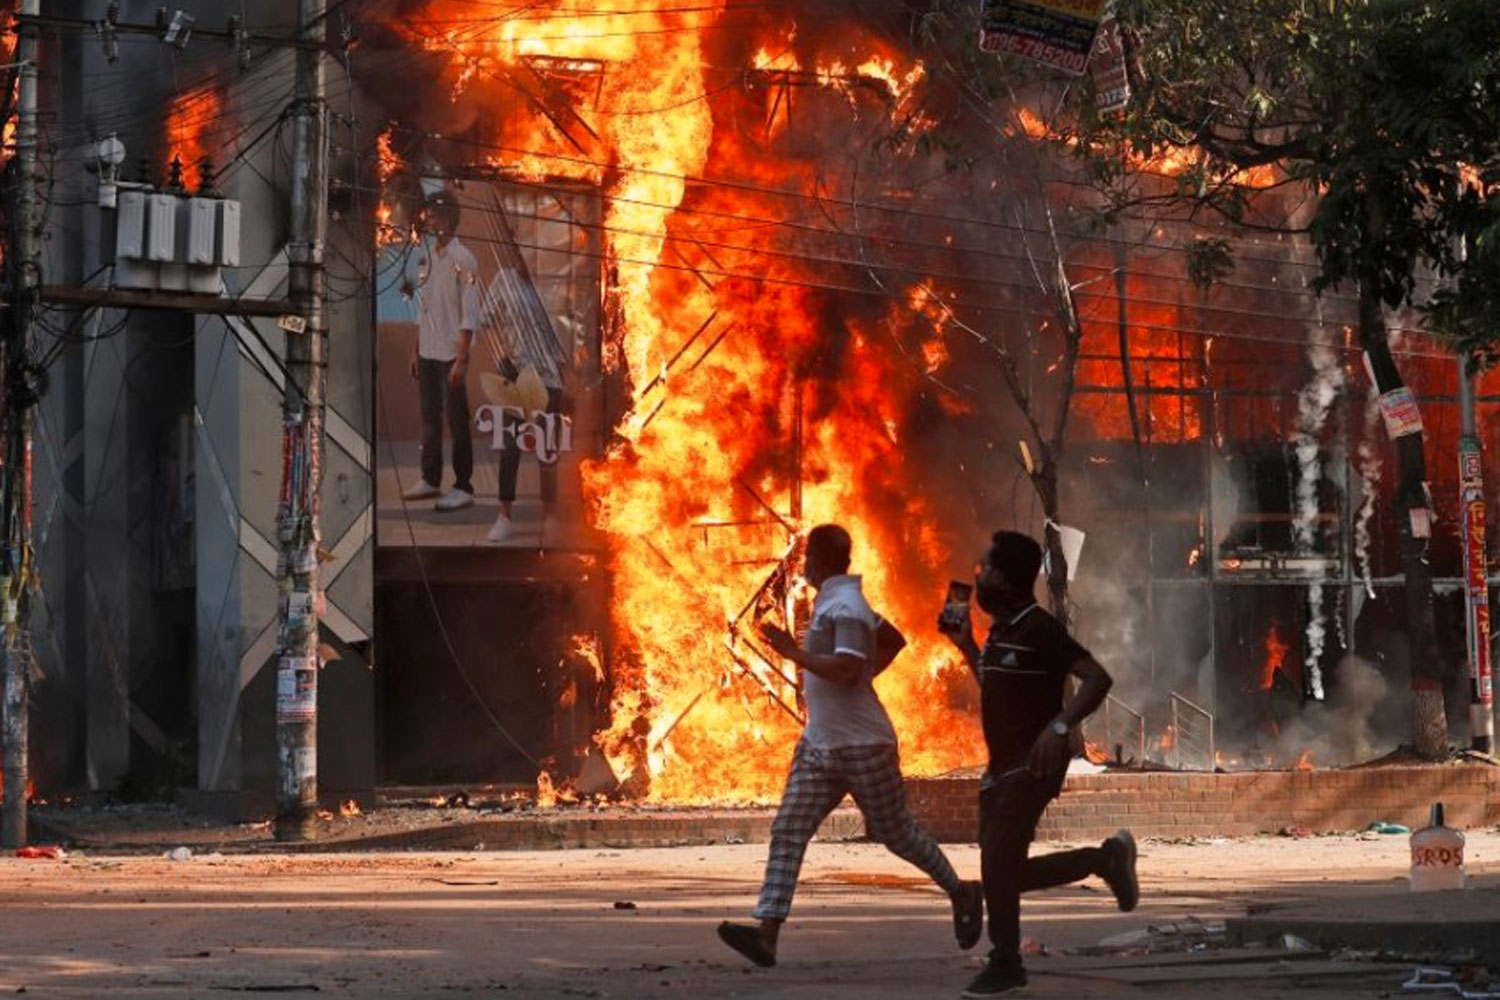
(1314, 403)
(1369, 463)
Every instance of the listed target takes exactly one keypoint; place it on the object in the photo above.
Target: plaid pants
(818, 783)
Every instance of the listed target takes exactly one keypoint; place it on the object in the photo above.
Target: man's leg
(432, 379)
(1008, 813)
(458, 429)
(874, 776)
(812, 791)
(510, 468)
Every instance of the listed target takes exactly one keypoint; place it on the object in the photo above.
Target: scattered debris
(179, 854)
(1291, 942)
(733, 838)
(462, 881)
(1381, 826)
(1183, 935)
(1299, 832)
(1032, 948)
(1471, 984)
(624, 904)
(37, 853)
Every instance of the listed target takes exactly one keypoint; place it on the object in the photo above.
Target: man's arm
(961, 634)
(460, 369)
(846, 668)
(468, 319)
(1050, 752)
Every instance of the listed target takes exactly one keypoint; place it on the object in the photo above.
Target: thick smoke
(1314, 403)
(1356, 723)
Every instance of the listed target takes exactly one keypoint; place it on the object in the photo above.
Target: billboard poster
(490, 386)
(1055, 33)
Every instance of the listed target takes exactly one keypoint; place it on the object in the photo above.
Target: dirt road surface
(640, 923)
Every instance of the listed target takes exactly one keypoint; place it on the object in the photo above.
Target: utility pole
(302, 444)
(15, 561)
(1476, 583)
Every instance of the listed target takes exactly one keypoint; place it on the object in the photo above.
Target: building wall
(158, 460)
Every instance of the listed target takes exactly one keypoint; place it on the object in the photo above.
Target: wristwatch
(1059, 727)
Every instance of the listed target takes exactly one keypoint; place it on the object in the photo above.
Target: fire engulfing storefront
(731, 270)
(781, 296)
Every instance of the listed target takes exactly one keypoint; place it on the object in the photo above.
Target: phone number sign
(1056, 33)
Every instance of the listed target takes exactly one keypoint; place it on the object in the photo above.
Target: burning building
(777, 270)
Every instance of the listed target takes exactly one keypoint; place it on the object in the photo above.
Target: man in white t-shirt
(444, 275)
(847, 747)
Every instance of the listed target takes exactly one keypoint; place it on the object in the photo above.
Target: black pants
(436, 396)
(510, 461)
(1008, 813)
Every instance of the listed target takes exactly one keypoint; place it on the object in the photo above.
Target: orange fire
(1095, 753)
(1304, 763)
(762, 403)
(190, 122)
(1276, 651)
(1167, 162)
(1168, 738)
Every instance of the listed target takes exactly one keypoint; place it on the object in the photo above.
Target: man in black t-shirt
(1023, 671)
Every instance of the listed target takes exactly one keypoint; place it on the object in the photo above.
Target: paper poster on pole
(1055, 33)
(1071, 540)
(296, 689)
(1399, 409)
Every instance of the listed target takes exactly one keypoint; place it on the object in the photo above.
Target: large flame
(760, 407)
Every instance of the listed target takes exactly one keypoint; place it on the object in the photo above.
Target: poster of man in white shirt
(444, 277)
(491, 310)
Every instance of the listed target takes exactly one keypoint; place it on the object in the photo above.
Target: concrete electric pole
(15, 561)
(302, 444)
(1476, 582)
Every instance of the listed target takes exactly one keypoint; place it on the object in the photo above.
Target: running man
(847, 747)
(1023, 671)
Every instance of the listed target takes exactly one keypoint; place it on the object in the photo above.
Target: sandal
(968, 914)
(747, 941)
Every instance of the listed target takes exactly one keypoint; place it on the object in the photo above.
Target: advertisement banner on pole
(1477, 607)
(1402, 417)
(1055, 33)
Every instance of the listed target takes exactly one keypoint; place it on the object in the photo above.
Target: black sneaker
(968, 914)
(997, 981)
(1119, 869)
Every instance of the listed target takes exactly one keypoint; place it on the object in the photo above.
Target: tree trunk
(1057, 563)
(1429, 723)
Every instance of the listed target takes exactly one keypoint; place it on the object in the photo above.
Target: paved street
(639, 923)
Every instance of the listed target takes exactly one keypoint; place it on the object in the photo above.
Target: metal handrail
(1192, 729)
(1118, 716)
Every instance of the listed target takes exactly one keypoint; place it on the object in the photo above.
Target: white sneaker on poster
(454, 500)
(500, 530)
(422, 491)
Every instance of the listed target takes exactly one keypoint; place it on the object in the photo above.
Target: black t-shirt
(1022, 672)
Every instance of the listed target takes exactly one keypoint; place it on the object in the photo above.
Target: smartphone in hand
(955, 613)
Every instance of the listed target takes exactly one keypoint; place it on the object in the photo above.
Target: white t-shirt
(447, 296)
(841, 715)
